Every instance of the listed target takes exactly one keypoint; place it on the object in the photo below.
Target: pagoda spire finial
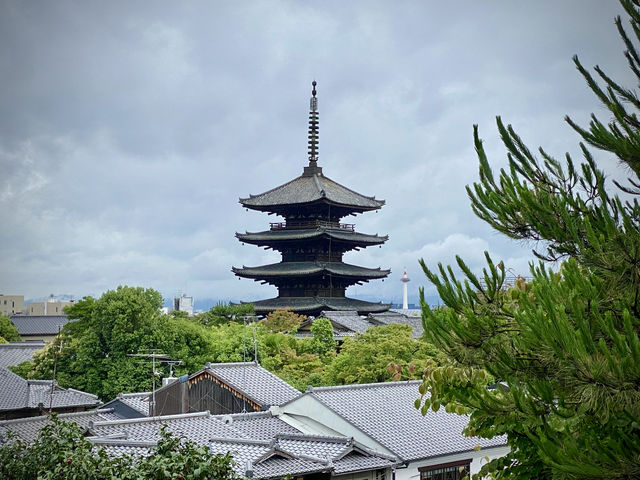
(314, 130)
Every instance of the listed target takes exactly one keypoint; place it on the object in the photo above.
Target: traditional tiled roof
(17, 393)
(27, 429)
(254, 381)
(39, 324)
(296, 269)
(295, 235)
(198, 427)
(386, 413)
(17, 352)
(388, 318)
(137, 401)
(348, 319)
(299, 454)
(311, 305)
(307, 189)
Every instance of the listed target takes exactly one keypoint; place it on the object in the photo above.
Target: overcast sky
(128, 130)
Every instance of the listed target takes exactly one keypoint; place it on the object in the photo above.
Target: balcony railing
(313, 224)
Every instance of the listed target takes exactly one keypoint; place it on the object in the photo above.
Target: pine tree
(554, 364)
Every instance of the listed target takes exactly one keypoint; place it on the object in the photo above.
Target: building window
(446, 471)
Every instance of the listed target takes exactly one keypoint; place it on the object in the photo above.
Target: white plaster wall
(478, 459)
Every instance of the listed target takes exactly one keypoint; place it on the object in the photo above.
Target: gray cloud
(127, 133)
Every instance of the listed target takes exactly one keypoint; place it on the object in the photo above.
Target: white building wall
(478, 459)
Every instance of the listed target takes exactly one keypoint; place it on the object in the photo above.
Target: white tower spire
(405, 280)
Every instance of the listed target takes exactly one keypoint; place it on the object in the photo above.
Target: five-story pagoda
(312, 276)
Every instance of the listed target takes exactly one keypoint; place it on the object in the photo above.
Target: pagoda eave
(291, 235)
(295, 269)
(314, 305)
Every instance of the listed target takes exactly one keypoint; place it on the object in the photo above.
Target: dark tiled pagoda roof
(314, 305)
(296, 269)
(308, 189)
(295, 235)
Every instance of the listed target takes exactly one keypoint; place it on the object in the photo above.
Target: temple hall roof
(307, 189)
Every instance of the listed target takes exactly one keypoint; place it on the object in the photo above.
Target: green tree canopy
(8, 330)
(562, 355)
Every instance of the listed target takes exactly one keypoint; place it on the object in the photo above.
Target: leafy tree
(323, 343)
(8, 330)
(365, 358)
(282, 320)
(61, 451)
(224, 313)
(563, 354)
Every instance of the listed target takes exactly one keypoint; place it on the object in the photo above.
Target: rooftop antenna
(153, 355)
(314, 133)
(55, 364)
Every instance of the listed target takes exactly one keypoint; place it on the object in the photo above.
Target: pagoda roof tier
(310, 188)
(314, 305)
(272, 237)
(307, 269)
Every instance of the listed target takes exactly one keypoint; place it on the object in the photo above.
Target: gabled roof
(254, 381)
(27, 429)
(308, 189)
(39, 324)
(299, 454)
(138, 402)
(17, 393)
(311, 305)
(17, 352)
(386, 413)
(295, 269)
(199, 427)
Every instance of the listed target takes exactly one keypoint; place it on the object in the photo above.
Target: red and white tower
(405, 280)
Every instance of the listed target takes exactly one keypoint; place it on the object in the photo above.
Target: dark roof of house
(308, 305)
(39, 324)
(386, 413)
(295, 235)
(27, 429)
(295, 269)
(254, 381)
(130, 405)
(17, 352)
(307, 189)
(17, 393)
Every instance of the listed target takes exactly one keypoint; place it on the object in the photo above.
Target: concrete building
(183, 304)
(11, 304)
(51, 307)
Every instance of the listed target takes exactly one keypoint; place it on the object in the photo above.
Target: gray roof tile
(254, 381)
(27, 429)
(39, 324)
(18, 393)
(385, 412)
(17, 352)
(308, 189)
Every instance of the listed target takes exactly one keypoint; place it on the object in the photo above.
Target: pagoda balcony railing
(313, 224)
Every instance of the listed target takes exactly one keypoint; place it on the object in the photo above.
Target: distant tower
(405, 280)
